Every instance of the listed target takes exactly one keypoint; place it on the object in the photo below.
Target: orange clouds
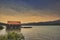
(26, 19)
(26, 16)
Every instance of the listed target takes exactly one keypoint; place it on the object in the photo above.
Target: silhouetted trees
(1, 27)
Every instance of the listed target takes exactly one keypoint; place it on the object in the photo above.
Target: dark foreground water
(41, 33)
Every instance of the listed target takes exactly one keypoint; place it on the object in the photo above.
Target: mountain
(56, 22)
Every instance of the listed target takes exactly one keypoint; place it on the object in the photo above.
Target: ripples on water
(39, 33)
(42, 33)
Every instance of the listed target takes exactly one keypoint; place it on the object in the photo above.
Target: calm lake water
(41, 33)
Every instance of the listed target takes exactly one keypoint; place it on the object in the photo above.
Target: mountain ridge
(56, 22)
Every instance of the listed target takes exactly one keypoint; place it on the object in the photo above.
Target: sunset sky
(29, 10)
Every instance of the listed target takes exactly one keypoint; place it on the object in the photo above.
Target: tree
(1, 27)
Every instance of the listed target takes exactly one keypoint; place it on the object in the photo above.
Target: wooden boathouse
(13, 25)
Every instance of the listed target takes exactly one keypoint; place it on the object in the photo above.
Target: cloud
(22, 10)
(27, 11)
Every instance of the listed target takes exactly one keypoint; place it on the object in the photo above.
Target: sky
(29, 10)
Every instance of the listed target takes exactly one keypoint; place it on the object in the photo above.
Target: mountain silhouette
(56, 22)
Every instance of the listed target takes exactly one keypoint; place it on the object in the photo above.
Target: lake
(39, 32)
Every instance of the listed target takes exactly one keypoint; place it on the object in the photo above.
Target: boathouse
(13, 25)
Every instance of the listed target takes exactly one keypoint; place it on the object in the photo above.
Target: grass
(12, 36)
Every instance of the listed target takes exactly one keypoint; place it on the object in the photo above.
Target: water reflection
(38, 33)
(3, 32)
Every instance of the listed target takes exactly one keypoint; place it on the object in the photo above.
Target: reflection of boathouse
(13, 25)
